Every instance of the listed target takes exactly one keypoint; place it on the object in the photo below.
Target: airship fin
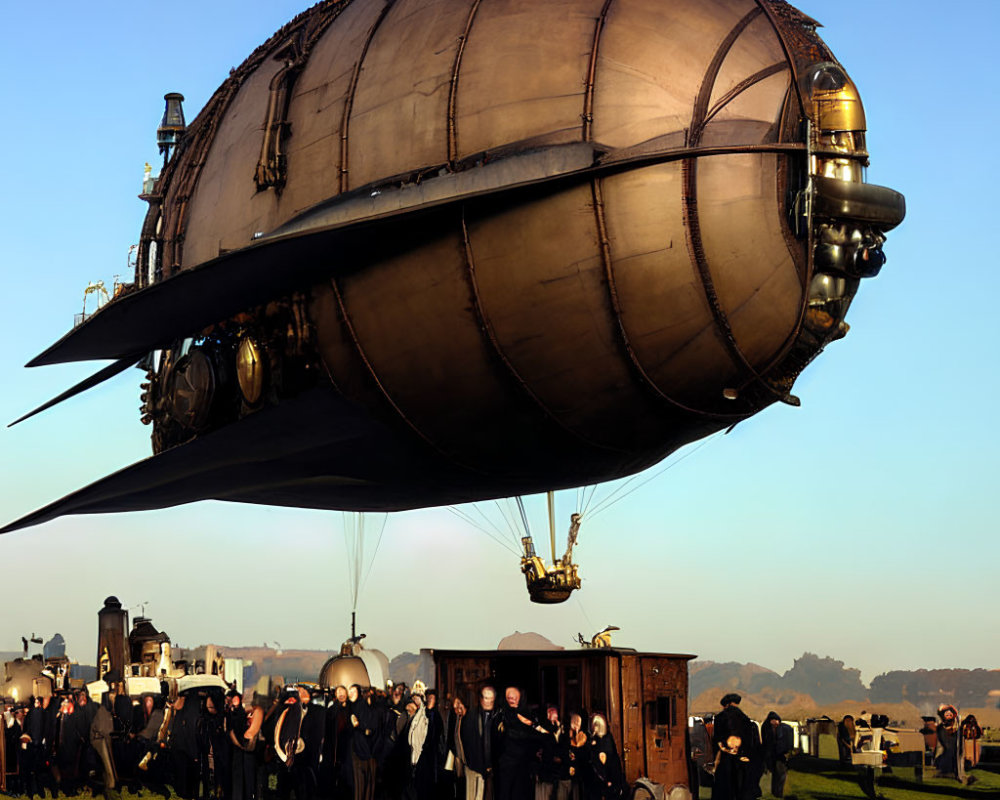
(98, 377)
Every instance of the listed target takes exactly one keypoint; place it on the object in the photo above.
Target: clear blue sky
(858, 526)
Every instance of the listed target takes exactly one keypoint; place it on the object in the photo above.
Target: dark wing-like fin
(277, 456)
(313, 245)
(98, 377)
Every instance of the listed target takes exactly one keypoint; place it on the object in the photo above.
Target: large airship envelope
(423, 252)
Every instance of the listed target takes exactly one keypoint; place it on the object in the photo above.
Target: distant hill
(816, 684)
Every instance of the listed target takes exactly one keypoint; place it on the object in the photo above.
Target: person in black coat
(605, 774)
(35, 774)
(337, 768)
(183, 746)
(520, 739)
(213, 749)
(551, 754)
(70, 738)
(243, 771)
(776, 745)
(365, 739)
(480, 741)
(737, 742)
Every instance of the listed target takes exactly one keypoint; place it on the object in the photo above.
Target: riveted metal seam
(692, 222)
(349, 99)
(742, 86)
(489, 334)
(616, 310)
(453, 86)
(588, 95)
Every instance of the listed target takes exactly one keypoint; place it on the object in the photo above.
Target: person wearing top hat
(738, 764)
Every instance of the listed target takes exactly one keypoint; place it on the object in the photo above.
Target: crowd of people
(349, 743)
(948, 744)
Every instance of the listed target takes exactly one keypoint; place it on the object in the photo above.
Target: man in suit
(479, 740)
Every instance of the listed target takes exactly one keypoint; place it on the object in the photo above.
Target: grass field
(808, 779)
(824, 779)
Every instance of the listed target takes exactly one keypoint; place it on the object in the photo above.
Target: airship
(425, 252)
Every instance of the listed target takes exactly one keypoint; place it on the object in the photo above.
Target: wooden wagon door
(664, 697)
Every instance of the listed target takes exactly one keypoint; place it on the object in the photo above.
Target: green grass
(809, 779)
(824, 779)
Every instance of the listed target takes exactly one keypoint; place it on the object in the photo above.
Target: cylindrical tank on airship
(355, 665)
(112, 639)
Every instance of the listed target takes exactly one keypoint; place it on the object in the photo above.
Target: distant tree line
(828, 681)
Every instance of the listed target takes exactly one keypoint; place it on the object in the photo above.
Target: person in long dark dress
(605, 774)
(70, 739)
(948, 740)
(577, 762)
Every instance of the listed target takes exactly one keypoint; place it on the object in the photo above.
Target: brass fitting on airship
(229, 370)
(250, 369)
(848, 217)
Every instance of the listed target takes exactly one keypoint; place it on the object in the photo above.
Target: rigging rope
(354, 541)
(458, 512)
(611, 499)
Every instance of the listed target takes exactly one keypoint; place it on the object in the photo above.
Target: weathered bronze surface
(489, 247)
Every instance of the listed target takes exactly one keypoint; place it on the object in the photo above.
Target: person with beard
(520, 739)
(737, 743)
(776, 744)
(604, 781)
(550, 756)
(480, 737)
